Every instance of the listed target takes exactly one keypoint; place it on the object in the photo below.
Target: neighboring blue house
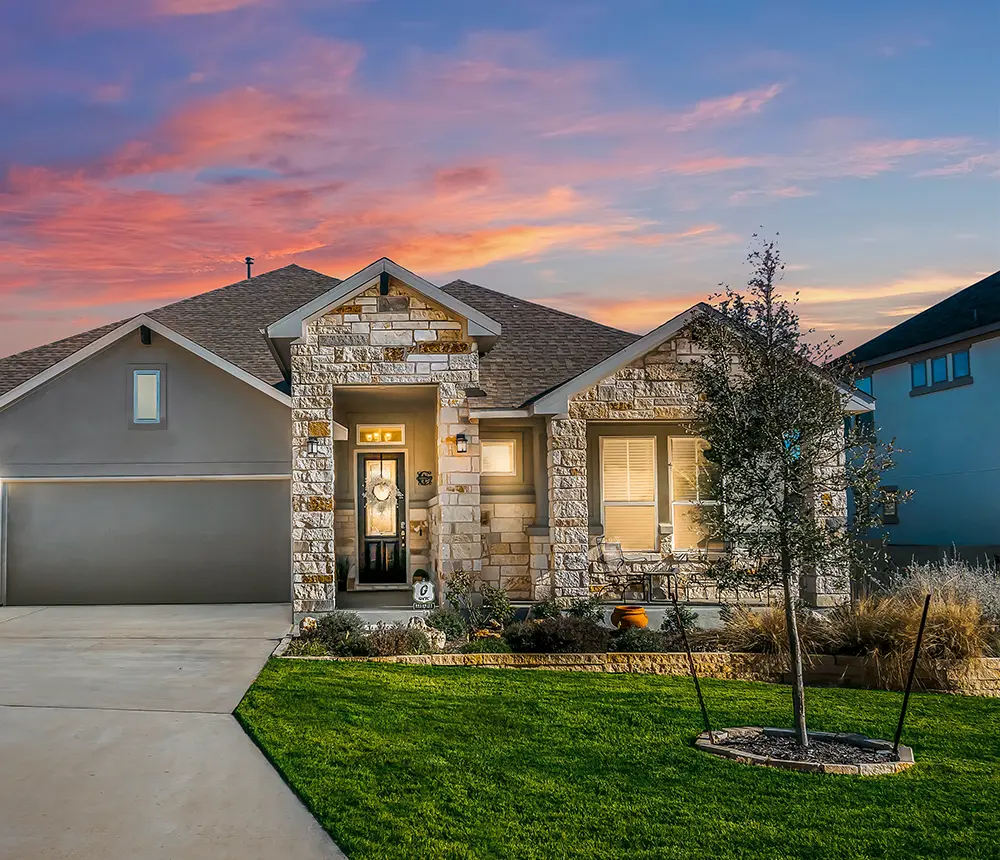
(936, 383)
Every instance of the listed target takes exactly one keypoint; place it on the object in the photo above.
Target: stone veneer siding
(397, 339)
(507, 546)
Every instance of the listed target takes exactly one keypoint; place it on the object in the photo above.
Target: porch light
(461, 443)
(312, 446)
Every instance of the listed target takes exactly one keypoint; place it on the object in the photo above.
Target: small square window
(939, 369)
(918, 372)
(146, 396)
(498, 457)
(960, 364)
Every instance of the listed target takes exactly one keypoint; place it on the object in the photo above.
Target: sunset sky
(607, 158)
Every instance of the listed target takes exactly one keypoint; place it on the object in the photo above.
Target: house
(297, 436)
(936, 380)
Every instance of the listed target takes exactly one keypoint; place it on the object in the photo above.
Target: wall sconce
(461, 443)
(312, 446)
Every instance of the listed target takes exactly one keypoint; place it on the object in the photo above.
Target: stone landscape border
(719, 748)
(979, 677)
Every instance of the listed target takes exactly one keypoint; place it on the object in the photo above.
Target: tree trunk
(795, 652)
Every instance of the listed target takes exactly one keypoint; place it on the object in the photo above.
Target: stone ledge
(977, 678)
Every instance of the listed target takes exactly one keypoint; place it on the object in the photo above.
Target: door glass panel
(380, 518)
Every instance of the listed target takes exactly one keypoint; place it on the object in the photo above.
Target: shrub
(588, 608)
(388, 640)
(342, 633)
(869, 626)
(556, 636)
(765, 632)
(636, 639)
(688, 621)
(952, 579)
(496, 608)
(449, 621)
(485, 645)
(548, 608)
(306, 647)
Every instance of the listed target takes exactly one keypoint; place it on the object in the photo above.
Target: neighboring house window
(890, 507)
(939, 369)
(866, 424)
(918, 372)
(628, 491)
(689, 487)
(146, 397)
(960, 364)
(499, 457)
(371, 434)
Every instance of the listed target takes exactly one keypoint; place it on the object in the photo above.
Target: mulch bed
(819, 751)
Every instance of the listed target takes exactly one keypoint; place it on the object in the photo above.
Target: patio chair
(621, 578)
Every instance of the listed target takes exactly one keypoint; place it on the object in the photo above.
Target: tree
(780, 458)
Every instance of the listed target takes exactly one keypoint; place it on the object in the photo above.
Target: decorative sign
(423, 592)
(424, 478)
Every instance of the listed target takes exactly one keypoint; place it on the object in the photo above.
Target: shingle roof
(971, 308)
(539, 348)
(226, 321)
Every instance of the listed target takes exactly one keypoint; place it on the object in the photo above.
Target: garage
(147, 541)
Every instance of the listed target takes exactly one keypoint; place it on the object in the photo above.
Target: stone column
(459, 540)
(314, 584)
(568, 515)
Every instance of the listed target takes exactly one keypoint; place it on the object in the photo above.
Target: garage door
(148, 542)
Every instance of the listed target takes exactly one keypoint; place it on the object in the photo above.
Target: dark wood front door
(382, 522)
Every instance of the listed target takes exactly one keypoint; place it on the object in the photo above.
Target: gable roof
(974, 309)
(539, 347)
(227, 322)
(294, 324)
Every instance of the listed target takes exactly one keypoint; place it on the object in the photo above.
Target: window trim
(654, 504)
(950, 380)
(159, 371)
(512, 442)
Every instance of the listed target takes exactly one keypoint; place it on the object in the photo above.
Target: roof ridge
(549, 308)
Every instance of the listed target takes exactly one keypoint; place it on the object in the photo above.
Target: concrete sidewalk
(117, 739)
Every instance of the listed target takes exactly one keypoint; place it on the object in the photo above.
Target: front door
(382, 520)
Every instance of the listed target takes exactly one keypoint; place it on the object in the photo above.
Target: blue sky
(611, 159)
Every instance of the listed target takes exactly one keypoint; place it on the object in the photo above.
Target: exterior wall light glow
(461, 443)
(312, 446)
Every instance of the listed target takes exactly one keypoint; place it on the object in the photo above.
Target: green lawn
(421, 762)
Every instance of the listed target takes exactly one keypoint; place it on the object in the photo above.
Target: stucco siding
(950, 458)
(79, 423)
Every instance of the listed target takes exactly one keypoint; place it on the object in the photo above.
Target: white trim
(117, 479)
(294, 324)
(655, 504)
(556, 402)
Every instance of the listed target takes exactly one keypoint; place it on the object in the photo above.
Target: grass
(423, 762)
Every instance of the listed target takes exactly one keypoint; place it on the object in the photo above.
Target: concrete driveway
(117, 738)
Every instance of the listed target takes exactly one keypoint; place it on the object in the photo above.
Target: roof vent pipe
(249, 262)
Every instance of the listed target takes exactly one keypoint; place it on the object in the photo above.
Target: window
(628, 491)
(939, 369)
(918, 371)
(960, 364)
(890, 506)
(499, 457)
(372, 434)
(146, 397)
(689, 485)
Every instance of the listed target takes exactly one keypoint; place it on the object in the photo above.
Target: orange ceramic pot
(624, 617)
